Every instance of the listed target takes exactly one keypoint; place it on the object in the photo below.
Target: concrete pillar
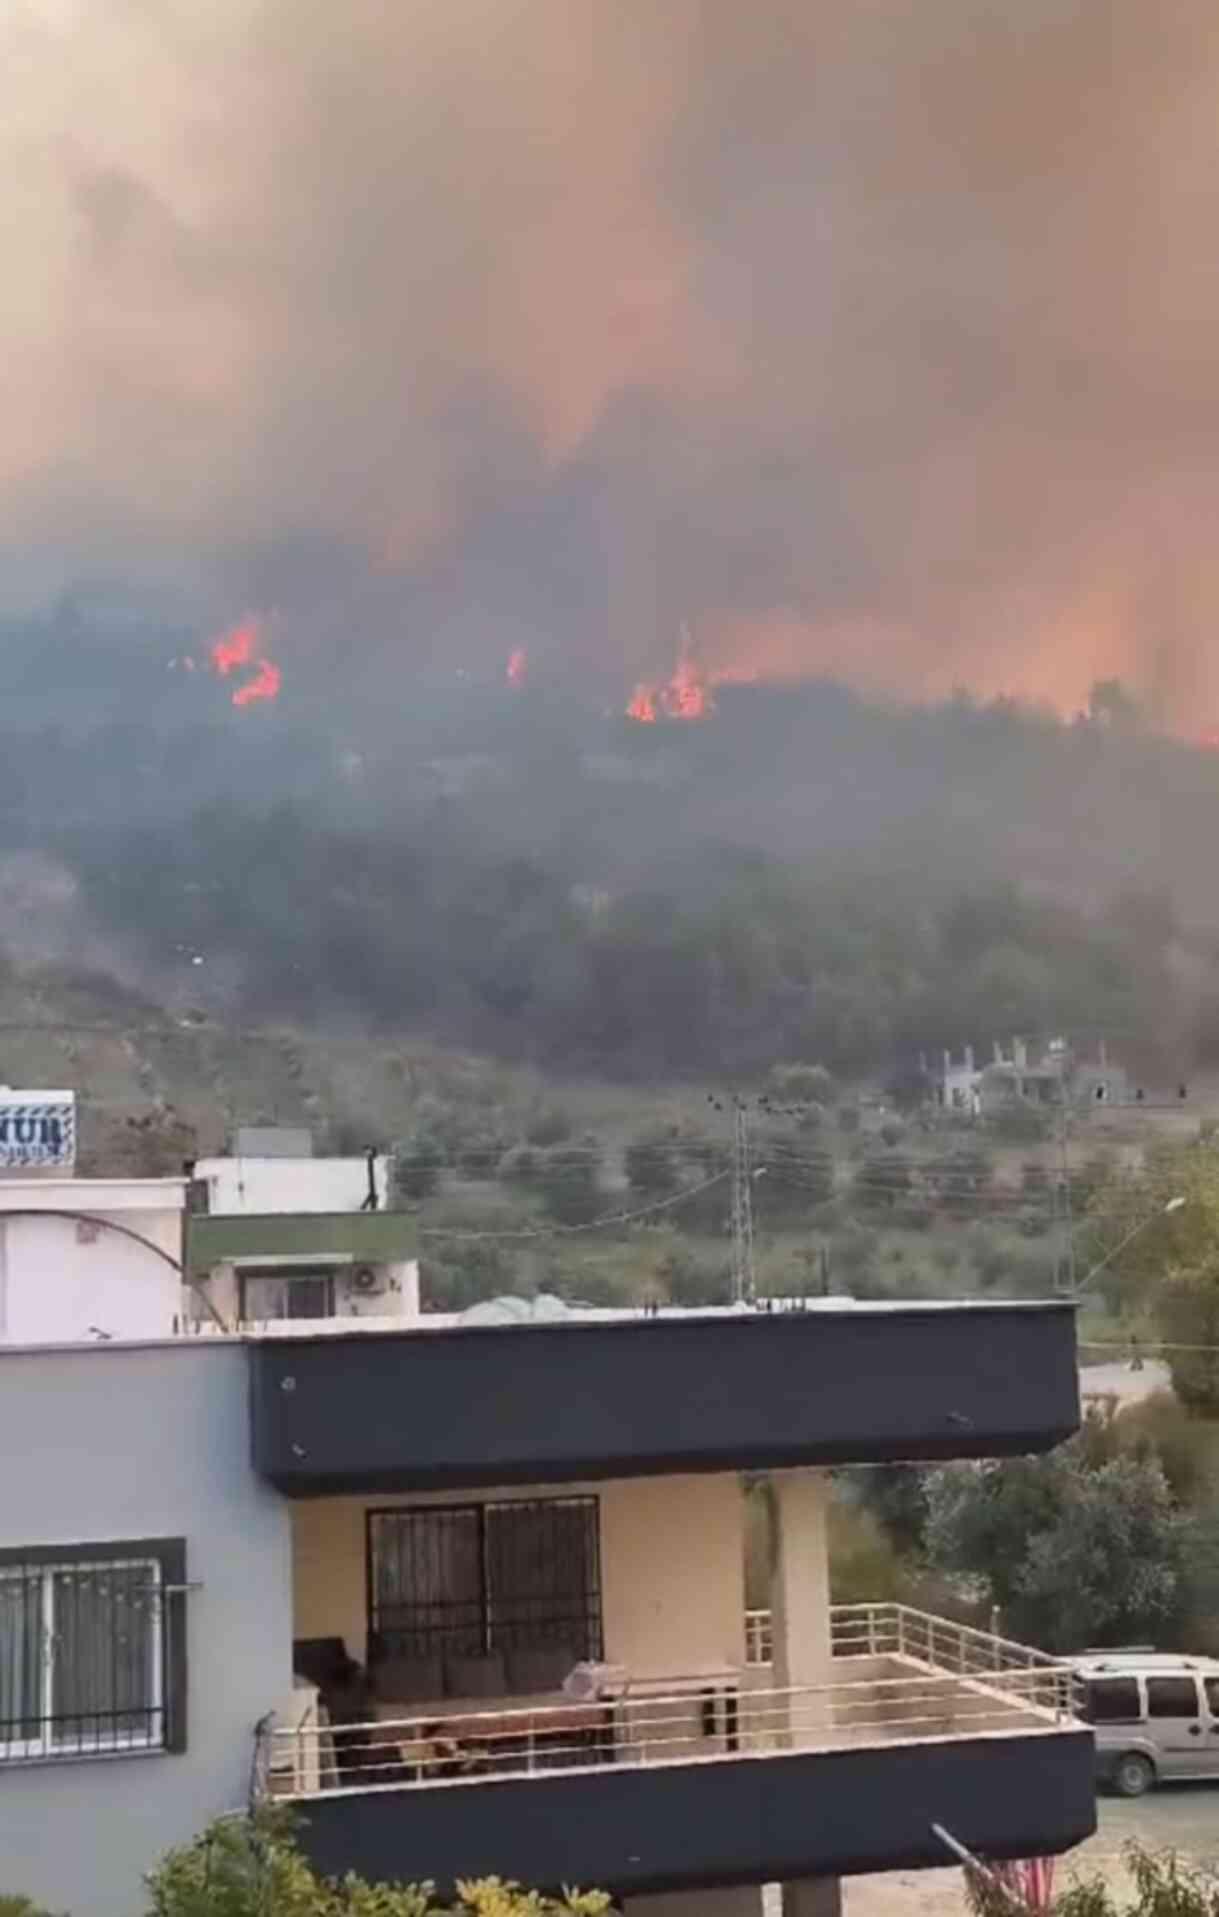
(800, 1579)
(404, 1281)
(813, 1897)
(741, 1901)
(800, 1624)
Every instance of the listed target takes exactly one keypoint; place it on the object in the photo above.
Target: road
(1184, 1818)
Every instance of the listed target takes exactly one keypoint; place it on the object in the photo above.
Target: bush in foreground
(1164, 1883)
(251, 1867)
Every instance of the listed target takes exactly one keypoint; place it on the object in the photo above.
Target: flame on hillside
(241, 649)
(688, 692)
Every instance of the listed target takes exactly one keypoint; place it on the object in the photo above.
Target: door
(1178, 1726)
(1210, 1688)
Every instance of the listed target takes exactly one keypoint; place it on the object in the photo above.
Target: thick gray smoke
(878, 337)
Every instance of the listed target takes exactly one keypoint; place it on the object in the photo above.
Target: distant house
(1046, 1074)
(1024, 1075)
(956, 1085)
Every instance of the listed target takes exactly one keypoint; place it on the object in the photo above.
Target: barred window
(92, 1650)
(517, 1575)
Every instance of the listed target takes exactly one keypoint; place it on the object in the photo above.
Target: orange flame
(235, 649)
(242, 647)
(518, 666)
(686, 694)
(265, 685)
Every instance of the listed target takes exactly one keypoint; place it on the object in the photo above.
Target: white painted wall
(672, 1567)
(64, 1279)
(139, 1442)
(290, 1184)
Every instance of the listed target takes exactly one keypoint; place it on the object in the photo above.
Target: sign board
(37, 1130)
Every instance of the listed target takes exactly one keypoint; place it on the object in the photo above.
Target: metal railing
(989, 1686)
(898, 1630)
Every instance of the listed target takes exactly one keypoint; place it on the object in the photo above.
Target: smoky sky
(871, 337)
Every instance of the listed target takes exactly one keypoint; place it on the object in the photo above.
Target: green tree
(801, 1084)
(1127, 1225)
(1110, 1570)
(1083, 1547)
(882, 1181)
(461, 1272)
(651, 1161)
(1186, 1311)
(567, 1180)
(418, 1162)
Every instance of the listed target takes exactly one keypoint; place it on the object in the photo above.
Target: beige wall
(672, 1568)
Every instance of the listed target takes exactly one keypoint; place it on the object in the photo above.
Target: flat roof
(577, 1320)
(56, 1191)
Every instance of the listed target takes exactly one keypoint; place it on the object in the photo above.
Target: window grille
(466, 1580)
(91, 1650)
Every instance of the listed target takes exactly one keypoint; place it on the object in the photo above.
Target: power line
(593, 1224)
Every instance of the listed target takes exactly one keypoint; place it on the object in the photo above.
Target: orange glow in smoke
(241, 648)
(235, 649)
(686, 694)
(518, 666)
(264, 685)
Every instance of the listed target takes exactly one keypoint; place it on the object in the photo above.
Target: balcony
(360, 1237)
(673, 1785)
(599, 1396)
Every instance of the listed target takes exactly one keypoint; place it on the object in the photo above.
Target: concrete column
(813, 1897)
(404, 1279)
(743, 1901)
(800, 1623)
(800, 1579)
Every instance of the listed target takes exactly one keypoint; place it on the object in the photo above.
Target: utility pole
(744, 1282)
(1066, 1257)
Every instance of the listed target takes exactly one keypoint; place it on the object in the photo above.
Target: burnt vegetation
(801, 875)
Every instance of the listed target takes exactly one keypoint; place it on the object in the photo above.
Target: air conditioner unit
(366, 1281)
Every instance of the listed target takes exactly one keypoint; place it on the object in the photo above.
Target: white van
(1155, 1715)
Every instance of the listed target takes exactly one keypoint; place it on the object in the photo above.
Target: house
(281, 1240)
(80, 1257)
(955, 1086)
(270, 1239)
(469, 1597)
(1029, 1074)
(89, 1258)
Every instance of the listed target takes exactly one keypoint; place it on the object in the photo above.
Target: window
(1172, 1697)
(1211, 1686)
(467, 1579)
(1112, 1700)
(287, 1294)
(92, 1650)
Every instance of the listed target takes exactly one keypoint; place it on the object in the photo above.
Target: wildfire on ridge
(264, 685)
(518, 666)
(241, 648)
(234, 649)
(688, 692)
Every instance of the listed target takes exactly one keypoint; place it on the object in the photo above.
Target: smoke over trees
(876, 341)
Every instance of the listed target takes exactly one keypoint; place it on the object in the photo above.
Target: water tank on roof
(510, 1310)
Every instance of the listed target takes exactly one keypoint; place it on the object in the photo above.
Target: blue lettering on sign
(37, 1134)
